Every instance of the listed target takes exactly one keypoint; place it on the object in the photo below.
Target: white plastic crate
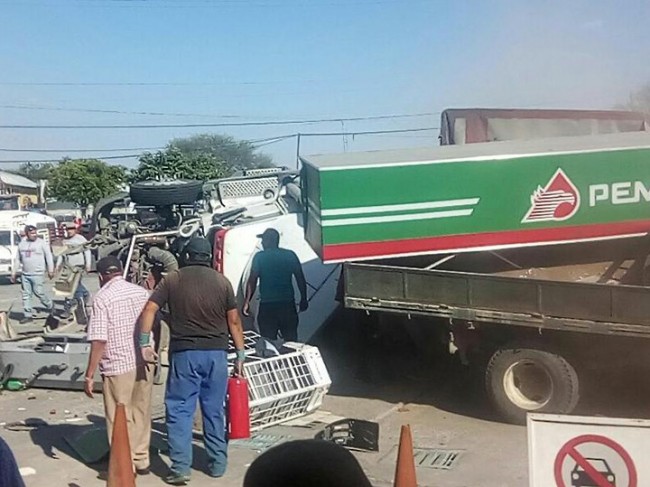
(286, 386)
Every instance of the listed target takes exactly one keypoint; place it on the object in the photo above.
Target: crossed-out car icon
(579, 477)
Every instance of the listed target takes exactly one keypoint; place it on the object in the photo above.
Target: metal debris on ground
(356, 434)
(260, 442)
(437, 458)
(317, 418)
(91, 444)
(26, 471)
(26, 425)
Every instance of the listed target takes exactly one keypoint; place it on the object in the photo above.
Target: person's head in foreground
(306, 463)
(108, 268)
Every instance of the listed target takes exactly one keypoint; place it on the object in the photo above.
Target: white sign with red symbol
(557, 201)
(578, 451)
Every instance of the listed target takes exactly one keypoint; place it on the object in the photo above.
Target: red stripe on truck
(368, 250)
(218, 249)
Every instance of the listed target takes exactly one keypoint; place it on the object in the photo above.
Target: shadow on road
(386, 364)
(88, 443)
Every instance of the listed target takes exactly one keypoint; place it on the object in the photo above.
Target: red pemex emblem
(558, 200)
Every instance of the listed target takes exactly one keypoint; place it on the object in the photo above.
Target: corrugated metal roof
(11, 179)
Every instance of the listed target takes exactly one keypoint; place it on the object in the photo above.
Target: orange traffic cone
(120, 468)
(405, 469)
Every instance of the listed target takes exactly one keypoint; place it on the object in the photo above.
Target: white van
(9, 239)
(12, 229)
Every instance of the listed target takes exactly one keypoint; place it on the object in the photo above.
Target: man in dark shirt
(275, 268)
(203, 312)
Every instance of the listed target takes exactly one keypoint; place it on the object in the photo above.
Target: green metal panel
(311, 191)
(483, 202)
(503, 188)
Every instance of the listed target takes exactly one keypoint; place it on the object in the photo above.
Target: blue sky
(255, 60)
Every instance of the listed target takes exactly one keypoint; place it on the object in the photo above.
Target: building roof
(11, 179)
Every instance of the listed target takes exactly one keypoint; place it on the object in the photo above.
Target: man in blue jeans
(202, 314)
(36, 258)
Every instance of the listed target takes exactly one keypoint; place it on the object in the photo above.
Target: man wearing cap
(36, 258)
(113, 334)
(79, 261)
(275, 268)
(202, 313)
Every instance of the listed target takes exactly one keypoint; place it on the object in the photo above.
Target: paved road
(392, 385)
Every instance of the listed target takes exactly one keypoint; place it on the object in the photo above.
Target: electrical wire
(213, 3)
(119, 112)
(39, 161)
(83, 150)
(200, 125)
(258, 143)
(176, 114)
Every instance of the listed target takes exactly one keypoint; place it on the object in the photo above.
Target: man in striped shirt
(126, 378)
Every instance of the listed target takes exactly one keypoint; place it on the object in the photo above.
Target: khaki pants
(132, 389)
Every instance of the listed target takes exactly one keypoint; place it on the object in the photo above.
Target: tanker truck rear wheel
(523, 380)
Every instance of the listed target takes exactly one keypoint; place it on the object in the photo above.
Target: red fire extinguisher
(239, 424)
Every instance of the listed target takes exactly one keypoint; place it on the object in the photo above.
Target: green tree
(235, 154)
(85, 181)
(34, 171)
(173, 164)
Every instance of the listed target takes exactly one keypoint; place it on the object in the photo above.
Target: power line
(214, 3)
(144, 83)
(261, 143)
(120, 112)
(367, 132)
(83, 150)
(255, 142)
(208, 125)
(39, 161)
(176, 114)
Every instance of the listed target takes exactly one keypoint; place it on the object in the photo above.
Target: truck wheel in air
(522, 380)
(162, 193)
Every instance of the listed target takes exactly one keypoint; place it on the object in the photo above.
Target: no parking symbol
(594, 472)
(579, 451)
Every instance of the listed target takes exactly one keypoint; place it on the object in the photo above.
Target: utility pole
(298, 150)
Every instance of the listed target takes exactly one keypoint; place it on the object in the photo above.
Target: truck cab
(271, 201)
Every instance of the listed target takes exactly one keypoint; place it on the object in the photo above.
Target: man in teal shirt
(275, 269)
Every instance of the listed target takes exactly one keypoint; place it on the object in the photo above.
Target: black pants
(282, 317)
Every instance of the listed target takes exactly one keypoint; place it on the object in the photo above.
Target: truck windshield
(9, 204)
(5, 238)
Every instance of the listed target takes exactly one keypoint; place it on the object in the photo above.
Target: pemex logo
(557, 201)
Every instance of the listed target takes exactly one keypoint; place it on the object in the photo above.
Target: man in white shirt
(80, 260)
(36, 258)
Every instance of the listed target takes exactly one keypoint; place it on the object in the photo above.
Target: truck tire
(162, 193)
(522, 380)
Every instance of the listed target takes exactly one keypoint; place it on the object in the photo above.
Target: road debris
(356, 434)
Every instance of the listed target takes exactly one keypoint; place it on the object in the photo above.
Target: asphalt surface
(382, 379)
